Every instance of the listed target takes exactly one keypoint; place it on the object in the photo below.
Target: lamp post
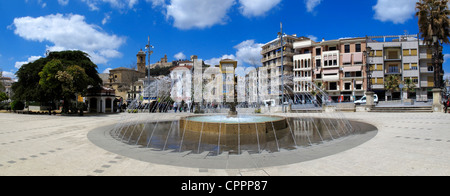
(367, 54)
(280, 34)
(149, 48)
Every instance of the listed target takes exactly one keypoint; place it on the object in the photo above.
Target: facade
(101, 100)
(162, 63)
(7, 83)
(123, 79)
(271, 65)
(227, 68)
(404, 56)
(335, 66)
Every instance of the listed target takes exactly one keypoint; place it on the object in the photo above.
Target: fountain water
(240, 130)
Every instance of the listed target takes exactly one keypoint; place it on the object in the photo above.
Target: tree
(409, 86)
(434, 22)
(58, 76)
(392, 83)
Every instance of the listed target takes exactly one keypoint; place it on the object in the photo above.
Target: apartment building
(404, 56)
(271, 61)
(335, 66)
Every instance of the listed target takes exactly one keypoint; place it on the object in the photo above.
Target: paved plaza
(405, 144)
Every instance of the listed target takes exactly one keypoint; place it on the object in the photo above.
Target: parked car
(363, 100)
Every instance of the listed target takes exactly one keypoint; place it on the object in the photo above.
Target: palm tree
(409, 86)
(392, 83)
(434, 22)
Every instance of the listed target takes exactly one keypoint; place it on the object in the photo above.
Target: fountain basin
(242, 124)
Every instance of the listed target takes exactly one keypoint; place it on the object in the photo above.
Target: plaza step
(412, 109)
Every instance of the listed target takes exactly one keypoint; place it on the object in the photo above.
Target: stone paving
(406, 144)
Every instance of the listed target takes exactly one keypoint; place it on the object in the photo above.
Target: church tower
(141, 61)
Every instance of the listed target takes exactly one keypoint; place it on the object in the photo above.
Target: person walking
(175, 107)
(446, 105)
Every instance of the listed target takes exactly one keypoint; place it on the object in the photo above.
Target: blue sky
(113, 31)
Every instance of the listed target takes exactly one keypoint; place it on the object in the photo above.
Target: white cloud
(107, 70)
(63, 2)
(106, 18)
(251, 8)
(179, 56)
(31, 59)
(398, 11)
(249, 52)
(8, 74)
(312, 37)
(190, 14)
(216, 61)
(311, 4)
(156, 3)
(119, 4)
(70, 32)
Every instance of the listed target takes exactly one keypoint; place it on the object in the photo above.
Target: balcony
(275, 47)
(302, 44)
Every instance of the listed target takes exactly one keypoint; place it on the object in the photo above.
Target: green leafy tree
(3, 96)
(409, 86)
(434, 20)
(59, 76)
(392, 83)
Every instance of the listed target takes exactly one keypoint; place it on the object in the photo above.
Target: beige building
(336, 66)
(123, 79)
(404, 56)
(271, 64)
(162, 63)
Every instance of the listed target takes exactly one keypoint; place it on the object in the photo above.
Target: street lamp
(149, 48)
(367, 54)
(280, 34)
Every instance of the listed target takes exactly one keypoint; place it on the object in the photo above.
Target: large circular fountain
(238, 138)
(232, 125)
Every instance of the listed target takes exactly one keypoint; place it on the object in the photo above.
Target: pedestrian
(446, 105)
(175, 107)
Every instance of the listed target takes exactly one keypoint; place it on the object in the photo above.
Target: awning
(358, 57)
(359, 82)
(352, 69)
(347, 58)
(330, 71)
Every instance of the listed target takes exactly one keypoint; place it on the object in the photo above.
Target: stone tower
(141, 61)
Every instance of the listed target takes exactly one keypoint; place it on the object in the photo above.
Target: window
(358, 74)
(393, 69)
(347, 86)
(413, 52)
(430, 68)
(413, 66)
(359, 86)
(333, 86)
(406, 52)
(318, 63)
(318, 51)
(347, 48)
(333, 48)
(392, 55)
(319, 76)
(348, 74)
(406, 66)
(379, 53)
(358, 47)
